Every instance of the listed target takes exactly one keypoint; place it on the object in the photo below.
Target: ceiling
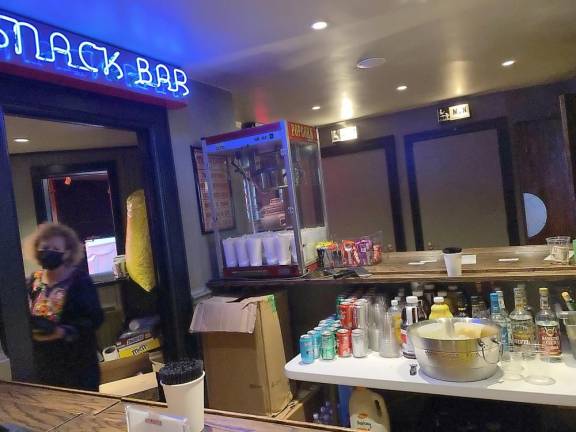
(46, 135)
(277, 67)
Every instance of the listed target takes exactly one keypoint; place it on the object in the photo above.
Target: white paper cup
(187, 400)
(453, 262)
(283, 248)
(110, 353)
(268, 242)
(230, 252)
(241, 251)
(254, 246)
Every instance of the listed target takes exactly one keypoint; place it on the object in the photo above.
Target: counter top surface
(376, 372)
(40, 408)
(519, 263)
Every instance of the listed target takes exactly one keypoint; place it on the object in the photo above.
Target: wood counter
(396, 267)
(40, 408)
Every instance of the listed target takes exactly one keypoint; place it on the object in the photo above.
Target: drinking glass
(559, 248)
(537, 366)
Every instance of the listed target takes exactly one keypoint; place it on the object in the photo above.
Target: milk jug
(368, 411)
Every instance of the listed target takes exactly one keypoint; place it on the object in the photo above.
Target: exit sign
(454, 112)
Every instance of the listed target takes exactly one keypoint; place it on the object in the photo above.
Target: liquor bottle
(475, 307)
(521, 320)
(548, 328)
(529, 307)
(429, 295)
(570, 304)
(409, 316)
(499, 319)
(451, 299)
(462, 307)
(504, 313)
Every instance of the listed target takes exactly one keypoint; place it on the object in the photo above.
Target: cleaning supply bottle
(368, 411)
(440, 309)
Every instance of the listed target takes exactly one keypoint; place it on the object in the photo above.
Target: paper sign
(141, 420)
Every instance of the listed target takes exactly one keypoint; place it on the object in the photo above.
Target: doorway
(362, 191)
(148, 126)
(461, 186)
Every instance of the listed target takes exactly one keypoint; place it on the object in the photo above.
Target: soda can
(339, 300)
(306, 349)
(317, 341)
(328, 346)
(360, 315)
(359, 348)
(346, 312)
(344, 343)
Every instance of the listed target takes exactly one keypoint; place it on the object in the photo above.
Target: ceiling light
(316, 107)
(402, 87)
(21, 140)
(508, 63)
(319, 25)
(370, 62)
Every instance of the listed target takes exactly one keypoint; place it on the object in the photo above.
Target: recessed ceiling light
(316, 107)
(402, 87)
(319, 25)
(21, 140)
(370, 62)
(508, 63)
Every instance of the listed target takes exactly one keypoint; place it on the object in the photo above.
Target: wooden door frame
(506, 168)
(388, 143)
(35, 99)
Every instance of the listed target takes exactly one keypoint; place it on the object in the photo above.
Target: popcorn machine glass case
(279, 167)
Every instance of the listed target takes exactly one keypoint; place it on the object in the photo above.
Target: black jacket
(72, 361)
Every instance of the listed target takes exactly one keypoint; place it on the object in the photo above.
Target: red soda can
(346, 311)
(344, 343)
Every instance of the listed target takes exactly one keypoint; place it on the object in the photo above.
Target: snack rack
(279, 167)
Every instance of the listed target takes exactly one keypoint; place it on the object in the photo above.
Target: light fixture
(370, 62)
(402, 87)
(316, 107)
(348, 133)
(21, 140)
(319, 25)
(508, 63)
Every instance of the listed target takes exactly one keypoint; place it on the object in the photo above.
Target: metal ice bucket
(569, 318)
(458, 360)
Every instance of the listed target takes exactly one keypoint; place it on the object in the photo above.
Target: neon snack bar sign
(39, 51)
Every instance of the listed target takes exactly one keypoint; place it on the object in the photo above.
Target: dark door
(545, 180)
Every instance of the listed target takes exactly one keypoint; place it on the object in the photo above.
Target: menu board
(222, 190)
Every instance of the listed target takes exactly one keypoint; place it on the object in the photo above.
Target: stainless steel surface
(569, 319)
(458, 360)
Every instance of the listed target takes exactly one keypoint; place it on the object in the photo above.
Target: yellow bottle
(440, 309)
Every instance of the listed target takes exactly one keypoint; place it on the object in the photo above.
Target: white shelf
(394, 374)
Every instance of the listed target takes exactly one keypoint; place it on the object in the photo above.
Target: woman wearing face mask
(65, 310)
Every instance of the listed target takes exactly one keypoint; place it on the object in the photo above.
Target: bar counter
(40, 408)
(514, 263)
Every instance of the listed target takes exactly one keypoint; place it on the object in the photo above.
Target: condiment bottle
(440, 309)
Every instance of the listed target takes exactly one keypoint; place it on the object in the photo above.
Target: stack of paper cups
(254, 246)
(283, 248)
(229, 252)
(268, 241)
(241, 251)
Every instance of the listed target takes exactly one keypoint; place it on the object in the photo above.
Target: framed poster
(222, 191)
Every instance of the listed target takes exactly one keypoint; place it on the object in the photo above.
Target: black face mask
(50, 259)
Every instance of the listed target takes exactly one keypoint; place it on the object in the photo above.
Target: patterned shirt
(47, 301)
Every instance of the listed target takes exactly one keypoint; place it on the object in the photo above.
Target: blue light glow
(33, 45)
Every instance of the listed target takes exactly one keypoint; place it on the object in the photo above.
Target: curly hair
(49, 230)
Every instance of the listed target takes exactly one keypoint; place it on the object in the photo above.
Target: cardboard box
(243, 354)
(115, 370)
(307, 402)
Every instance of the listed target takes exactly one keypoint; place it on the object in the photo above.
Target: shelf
(393, 374)
(396, 268)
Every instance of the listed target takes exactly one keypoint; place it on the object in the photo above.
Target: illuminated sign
(454, 112)
(345, 134)
(37, 50)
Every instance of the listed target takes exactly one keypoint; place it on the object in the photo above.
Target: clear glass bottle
(461, 306)
(498, 318)
(548, 328)
(475, 311)
(396, 313)
(521, 320)
(504, 313)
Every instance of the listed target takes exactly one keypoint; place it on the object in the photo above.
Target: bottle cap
(394, 302)
(442, 293)
(418, 293)
(412, 299)
(543, 291)
(438, 300)
(452, 288)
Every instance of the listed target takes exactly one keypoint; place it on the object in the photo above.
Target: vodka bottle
(548, 328)
(499, 319)
(505, 315)
(522, 323)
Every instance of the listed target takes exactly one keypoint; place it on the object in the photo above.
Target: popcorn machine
(279, 168)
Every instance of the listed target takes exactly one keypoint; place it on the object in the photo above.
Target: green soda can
(328, 346)
(339, 300)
